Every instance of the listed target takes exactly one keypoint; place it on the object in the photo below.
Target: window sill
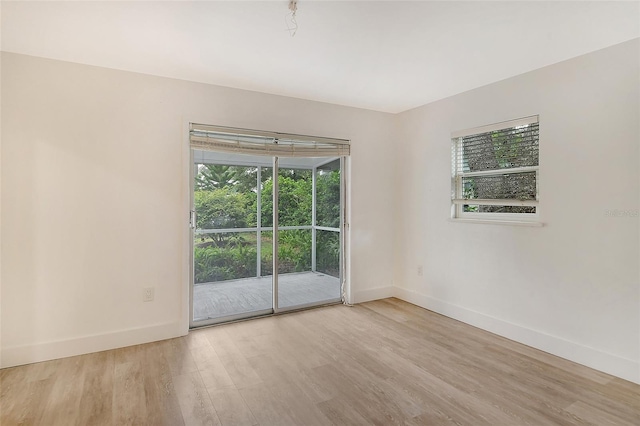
(498, 222)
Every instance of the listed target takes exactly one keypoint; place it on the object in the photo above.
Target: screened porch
(233, 239)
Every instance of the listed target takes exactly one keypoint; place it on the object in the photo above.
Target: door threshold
(264, 315)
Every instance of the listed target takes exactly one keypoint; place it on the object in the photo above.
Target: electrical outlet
(420, 271)
(147, 294)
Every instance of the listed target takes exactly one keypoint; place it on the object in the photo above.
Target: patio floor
(224, 298)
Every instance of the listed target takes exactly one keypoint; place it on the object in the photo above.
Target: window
(495, 172)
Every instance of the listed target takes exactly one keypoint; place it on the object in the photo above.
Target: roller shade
(242, 141)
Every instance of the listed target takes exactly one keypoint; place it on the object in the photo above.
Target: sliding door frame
(344, 243)
(314, 228)
(275, 193)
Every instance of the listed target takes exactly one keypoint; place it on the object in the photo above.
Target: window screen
(495, 170)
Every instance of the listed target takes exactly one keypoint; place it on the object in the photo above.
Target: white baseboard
(28, 354)
(372, 294)
(611, 364)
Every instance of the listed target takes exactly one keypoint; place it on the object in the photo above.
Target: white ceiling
(386, 56)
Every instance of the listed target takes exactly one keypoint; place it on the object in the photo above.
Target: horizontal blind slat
(498, 149)
(265, 146)
(519, 186)
(497, 126)
(496, 202)
(499, 172)
(496, 168)
(232, 131)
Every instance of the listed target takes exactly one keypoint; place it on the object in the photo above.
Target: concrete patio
(224, 298)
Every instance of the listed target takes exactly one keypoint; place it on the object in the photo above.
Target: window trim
(457, 202)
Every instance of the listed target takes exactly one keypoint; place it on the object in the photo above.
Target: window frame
(457, 198)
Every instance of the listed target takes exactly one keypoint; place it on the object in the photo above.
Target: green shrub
(235, 260)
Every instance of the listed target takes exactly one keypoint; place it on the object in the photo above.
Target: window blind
(252, 142)
(506, 148)
(495, 168)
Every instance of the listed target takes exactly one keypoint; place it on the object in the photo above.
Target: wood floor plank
(30, 400)
(254, 345)
(431, 418)
(265, 406)
(233, 360)
(231, 408)
(63, 404)
(214, 374)
(159, 388)
(211, 366)
(280, 370)
(277, 404)
(369, 401)
(242, 329)
(195, 402)
(341, 412)
(96, 403)
(384, 362)
(178, 356)
(12, 383)
(598, 417)
(129, 398)
(293, 339)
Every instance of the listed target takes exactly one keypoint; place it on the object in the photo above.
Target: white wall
(94, 206)
(94, 190)
(0, 195)
(572, 287)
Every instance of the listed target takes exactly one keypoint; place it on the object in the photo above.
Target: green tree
(245, 178)
(223, 208)
(236, 260)
(328, 252)
(328, 198)
(214, 176)
(294, 202)
(227, 198)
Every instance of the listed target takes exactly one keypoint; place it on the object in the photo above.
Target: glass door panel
(265, 230)
(226, 241)
(327, 229)
(328, 194)
(295, 202)
(297, 284)
(328, 253)
(300, 283)
(225, 282)
(294, 197)
(266, 255)
(233, 253)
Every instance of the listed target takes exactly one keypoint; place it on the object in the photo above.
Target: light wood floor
(382, 363)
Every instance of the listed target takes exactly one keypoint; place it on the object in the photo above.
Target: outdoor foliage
(328, 253)
(498, 150)
(226, 197)
(215, 176)
(328, 199)
(294, 202)
(224, 208)
(236, 259)
(294, 252)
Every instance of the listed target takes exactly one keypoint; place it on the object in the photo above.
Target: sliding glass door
(308, 263)
(227, 263)
(328, 253)
(243, 265)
